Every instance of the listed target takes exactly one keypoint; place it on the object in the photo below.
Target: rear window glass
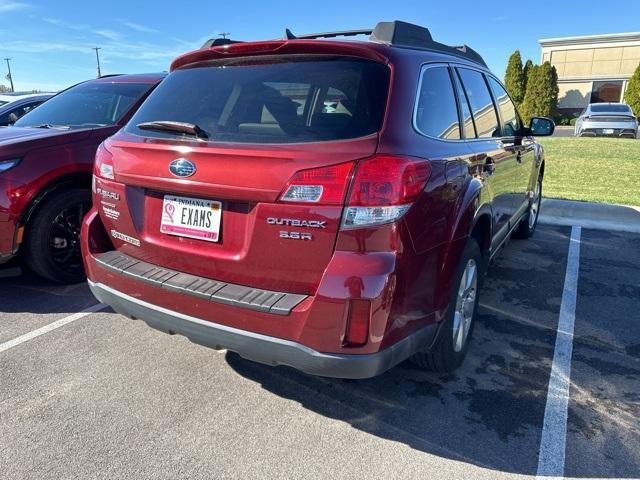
(610, 108)
(270, 100)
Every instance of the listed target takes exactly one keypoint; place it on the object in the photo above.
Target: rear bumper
(263, 348)
(604, 130)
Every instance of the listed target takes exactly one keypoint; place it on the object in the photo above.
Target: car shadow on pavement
(490, 412)
(25, 292)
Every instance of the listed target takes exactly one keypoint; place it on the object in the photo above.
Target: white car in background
(15, 105)
(607, 120)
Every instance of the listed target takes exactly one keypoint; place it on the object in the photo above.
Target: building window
(606, 92)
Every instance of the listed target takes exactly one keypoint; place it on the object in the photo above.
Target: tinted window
(85, 105)
(508, 114)
(18, 112)
(610, 108)
(469, 128)
(437, 112)
(271, 100)
(484, 112)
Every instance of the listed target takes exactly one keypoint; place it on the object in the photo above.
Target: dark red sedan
(45, 170)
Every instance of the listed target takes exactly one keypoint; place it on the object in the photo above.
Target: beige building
(592, 68)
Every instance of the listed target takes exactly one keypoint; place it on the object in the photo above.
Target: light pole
(9, 76)
(98, 60)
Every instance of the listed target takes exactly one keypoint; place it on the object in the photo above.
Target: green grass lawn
(605, 170)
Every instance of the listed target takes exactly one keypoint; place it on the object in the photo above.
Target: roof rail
(342, 33)
(216, 42)
(403, 34)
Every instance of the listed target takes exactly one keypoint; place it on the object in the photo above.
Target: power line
(98, 60)
(9, 76)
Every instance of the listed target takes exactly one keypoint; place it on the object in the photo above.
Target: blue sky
(50, 42)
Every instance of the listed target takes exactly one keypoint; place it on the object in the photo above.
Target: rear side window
(436, 112)
(271, 99)
(484, 112)
(468, 127)
(508, 114)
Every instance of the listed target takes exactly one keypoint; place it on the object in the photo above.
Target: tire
(529, 221)
(52, 246)
(449, 349)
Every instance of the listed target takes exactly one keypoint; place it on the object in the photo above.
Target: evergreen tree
(632, 94)
(525, 72)
(541, 97)
(514, 78)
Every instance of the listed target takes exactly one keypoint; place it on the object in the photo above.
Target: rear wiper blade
(179, 127)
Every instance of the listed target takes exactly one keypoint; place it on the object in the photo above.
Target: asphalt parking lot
(106, 397)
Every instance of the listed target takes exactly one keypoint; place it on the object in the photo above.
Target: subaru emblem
(181, 167)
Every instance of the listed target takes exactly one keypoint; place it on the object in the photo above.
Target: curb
(598, 216)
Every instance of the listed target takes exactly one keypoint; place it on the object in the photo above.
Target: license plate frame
(608, 131)
(191, 217)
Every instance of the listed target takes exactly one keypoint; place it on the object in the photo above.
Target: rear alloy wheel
(529, 221)
(52, 248)
(454, 335)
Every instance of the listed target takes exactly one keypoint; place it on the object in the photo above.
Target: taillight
(324, 185)
(103, 166)
(384, 187)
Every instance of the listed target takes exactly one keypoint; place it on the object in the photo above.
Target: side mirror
(542, 127)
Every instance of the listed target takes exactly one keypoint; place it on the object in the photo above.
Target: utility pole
(98, 60)
(9, 76)
(224, 34)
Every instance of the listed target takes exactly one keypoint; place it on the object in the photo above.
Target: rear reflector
(325, 185)
(357, 333)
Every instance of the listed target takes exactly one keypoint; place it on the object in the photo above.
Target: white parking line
(52, 326)
(554, 430)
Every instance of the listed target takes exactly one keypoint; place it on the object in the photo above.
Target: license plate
(191, 217)
(607, 131)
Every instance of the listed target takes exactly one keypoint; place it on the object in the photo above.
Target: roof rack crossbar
(403, 34)
(343, 33)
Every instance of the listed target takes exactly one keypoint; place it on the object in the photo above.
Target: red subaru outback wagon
(327, 205)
